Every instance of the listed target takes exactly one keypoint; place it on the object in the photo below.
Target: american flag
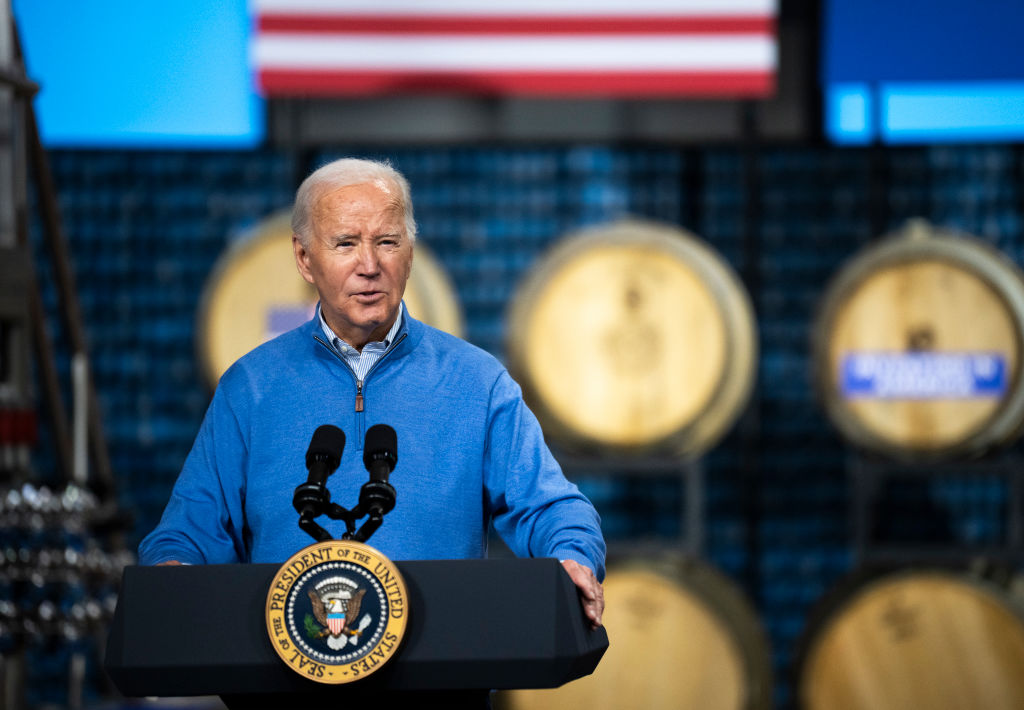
(695, 48)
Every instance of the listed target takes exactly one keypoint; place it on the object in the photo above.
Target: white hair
(342, 173)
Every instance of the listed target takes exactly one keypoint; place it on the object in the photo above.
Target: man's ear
(301, 259)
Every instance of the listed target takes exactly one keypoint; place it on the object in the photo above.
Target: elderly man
(471, 451)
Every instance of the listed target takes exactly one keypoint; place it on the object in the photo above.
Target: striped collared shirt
(361, 362)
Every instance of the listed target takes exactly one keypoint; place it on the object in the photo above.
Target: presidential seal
(336, 611)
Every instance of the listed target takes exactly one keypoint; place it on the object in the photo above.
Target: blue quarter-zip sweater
(469, 451)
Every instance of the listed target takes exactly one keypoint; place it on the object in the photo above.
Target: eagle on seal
(325, 609)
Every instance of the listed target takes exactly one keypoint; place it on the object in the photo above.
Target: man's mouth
(369, 295)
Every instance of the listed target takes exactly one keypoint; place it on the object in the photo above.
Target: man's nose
(368, 260)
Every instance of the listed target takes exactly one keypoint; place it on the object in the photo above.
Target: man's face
(359, 258)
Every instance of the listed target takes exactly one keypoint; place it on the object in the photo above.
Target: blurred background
(840, 183)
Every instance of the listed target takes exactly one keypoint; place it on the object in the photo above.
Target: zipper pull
(359, 396)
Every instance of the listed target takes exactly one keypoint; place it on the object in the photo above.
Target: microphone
(380, 454)
(322, 458)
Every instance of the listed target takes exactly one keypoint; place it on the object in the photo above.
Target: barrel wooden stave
(938, 298)
(633, 337)
(931, 639)
(923, 290)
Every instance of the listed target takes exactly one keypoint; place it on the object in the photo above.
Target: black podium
(473, 624)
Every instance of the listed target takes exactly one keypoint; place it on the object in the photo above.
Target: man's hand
(591, 592)
(168, 563)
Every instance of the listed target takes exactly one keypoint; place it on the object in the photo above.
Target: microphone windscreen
(381, 440)
(328, 440)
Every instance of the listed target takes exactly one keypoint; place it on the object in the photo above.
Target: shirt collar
(334, 340)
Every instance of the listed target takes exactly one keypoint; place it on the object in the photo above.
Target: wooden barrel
(681, 636)
(928, 638)
(917, 346)
(633, 337)
(255, 293)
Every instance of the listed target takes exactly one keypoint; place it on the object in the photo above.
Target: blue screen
(909, 71)
(122, 73)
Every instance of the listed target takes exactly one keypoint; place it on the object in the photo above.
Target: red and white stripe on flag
(335, 622)
(697, 48)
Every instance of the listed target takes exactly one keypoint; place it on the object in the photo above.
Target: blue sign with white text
(922, 375)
